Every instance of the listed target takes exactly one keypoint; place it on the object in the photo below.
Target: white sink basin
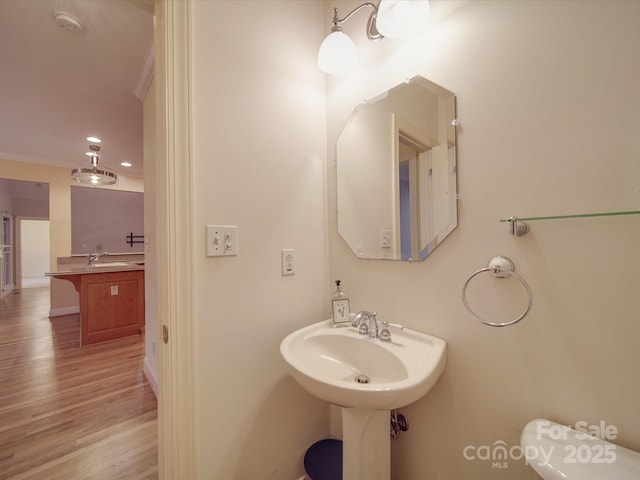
(330, 362)
(109, 264)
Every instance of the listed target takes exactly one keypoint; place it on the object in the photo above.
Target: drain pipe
(399, 423)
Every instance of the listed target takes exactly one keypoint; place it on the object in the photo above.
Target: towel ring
(499, 267)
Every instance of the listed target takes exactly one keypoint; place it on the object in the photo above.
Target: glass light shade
(337, 53)
(94, 176)
(399, 18)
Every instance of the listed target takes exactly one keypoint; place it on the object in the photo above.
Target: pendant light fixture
(390, 18)
(96, 174)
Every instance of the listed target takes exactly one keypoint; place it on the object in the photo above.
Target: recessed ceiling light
(94, 139)
(125, 164)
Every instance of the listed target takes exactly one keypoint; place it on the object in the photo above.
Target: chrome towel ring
(499, 267)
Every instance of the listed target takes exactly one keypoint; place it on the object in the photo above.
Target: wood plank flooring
(66, 412)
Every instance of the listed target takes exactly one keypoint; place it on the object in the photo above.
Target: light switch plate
(222, 240)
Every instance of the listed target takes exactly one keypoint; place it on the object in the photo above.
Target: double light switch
(222, 240)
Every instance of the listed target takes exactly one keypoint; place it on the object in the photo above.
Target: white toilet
(557, 452)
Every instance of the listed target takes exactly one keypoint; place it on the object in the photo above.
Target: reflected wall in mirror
(396, 172)
(102, 220)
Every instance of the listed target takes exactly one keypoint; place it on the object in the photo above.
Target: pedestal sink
(367, 378)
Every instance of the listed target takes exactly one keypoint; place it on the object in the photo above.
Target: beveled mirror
(396, 172)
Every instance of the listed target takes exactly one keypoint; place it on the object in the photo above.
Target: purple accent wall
(101, 219)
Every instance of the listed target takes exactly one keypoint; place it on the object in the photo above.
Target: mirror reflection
(396, 173)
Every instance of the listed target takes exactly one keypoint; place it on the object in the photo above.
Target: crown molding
(147, 72)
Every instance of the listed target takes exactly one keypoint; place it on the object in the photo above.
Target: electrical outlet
(288, 261)
(114, 289)
(385, 238)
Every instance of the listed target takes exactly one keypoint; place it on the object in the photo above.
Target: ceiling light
(96, 174)
(93, 140)
(125, 164)
(390, 18)
(67, 21)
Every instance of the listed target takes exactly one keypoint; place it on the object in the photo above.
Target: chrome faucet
(367, 324)
(94, 257)
(372, 325)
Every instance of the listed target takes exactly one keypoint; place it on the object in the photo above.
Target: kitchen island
(111, 299)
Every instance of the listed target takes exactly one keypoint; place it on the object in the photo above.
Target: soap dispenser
(340, 307)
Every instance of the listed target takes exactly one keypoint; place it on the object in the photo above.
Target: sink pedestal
(366, 446)
(368, 378)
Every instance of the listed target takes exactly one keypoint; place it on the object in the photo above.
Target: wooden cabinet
(111, 304)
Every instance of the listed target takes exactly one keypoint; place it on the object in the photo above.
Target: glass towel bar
(579, 215)
(517, 226)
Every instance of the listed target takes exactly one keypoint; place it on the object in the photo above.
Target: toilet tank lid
(557, 452)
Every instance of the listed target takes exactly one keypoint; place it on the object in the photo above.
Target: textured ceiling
(59, 86)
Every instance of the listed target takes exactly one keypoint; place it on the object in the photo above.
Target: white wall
(34, 245)
(548, 100)
(258, 149)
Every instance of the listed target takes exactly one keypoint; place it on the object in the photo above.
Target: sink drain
(362, 379)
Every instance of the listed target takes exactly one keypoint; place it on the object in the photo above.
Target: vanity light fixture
(96, 174)
(390, 18)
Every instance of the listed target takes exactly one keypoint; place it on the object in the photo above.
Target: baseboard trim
(151, 377)
(61, 312)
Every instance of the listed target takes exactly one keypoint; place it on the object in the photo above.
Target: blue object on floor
(323, 460)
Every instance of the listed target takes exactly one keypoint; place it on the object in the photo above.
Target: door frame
(11, 245)
(176, 427)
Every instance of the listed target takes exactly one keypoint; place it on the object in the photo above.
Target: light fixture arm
(372, 31)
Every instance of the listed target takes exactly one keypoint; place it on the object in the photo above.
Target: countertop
(100, 267)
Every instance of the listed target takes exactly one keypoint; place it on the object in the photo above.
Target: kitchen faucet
(94, 257)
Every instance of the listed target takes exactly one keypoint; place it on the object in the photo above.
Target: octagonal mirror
(396, 172)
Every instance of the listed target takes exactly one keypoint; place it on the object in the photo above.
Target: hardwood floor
(66, 412)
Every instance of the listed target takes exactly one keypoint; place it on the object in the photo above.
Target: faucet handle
(356, 319)
(385, 333)
(360, 317)
(363, 329)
